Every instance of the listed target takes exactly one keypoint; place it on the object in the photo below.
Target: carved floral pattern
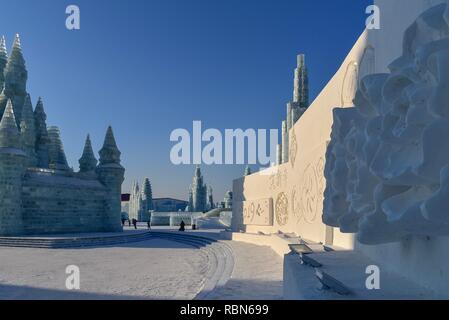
(282, 209)
(307, 198)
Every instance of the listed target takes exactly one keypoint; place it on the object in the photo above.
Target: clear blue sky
(147, 67)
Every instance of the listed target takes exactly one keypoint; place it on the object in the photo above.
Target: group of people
(134, 223)
(182, 226)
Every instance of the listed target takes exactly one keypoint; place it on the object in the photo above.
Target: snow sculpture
(387, 165)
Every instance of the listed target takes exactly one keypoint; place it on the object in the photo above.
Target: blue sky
(147, 67)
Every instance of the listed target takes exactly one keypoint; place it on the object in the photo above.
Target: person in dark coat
(149, 224)
(135, 223)
(183, 226)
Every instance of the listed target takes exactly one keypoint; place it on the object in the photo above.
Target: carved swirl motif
(309, 194)
(282, 209)
(295, 204)
(349, 84)
(259, 211)
(320, 174)
(306, 199)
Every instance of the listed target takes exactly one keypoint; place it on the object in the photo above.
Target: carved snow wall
(387, 167)
(297, 186)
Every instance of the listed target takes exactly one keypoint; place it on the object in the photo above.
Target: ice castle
(39, 192)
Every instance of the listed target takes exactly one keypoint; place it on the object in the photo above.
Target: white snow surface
(152, 269)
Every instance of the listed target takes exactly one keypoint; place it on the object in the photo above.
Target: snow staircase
(106, 240)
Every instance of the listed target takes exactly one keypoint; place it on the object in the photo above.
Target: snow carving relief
(278, 179)
(282, 209)
(368, 63)
(349, 84)
(293, 147)
(387, 166)
(258, 212)
(307, 197)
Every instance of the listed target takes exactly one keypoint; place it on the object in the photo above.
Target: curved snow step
(220, 257)
(79, 242)
(219, 276)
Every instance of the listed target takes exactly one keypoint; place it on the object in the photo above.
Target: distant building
(158, 204)
(198, 193)
(139, 202)
(169, 205)
(228, 200)
(210, 199)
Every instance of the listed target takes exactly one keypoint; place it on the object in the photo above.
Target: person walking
(182, 226)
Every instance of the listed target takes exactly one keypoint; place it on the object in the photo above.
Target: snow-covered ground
(152, 269)
(257, 274)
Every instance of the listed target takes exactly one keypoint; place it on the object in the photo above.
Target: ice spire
(190, 206)
(199, 192)
(3, 60)
(109, 153)
(42, 139)
(88, 162)
(135, 202)
(58, 160)
(3, 100)
(16, 76)
(17, 44)
(3, 50)
(197, 172)
(247, 171)
(135, 188)
(9, 133)
(16, 59)
(210, 199)
(301, 83)
(147, 194)
(28, 128)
